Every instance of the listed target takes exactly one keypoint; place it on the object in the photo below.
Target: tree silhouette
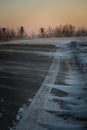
(22, 31)
(42, 32)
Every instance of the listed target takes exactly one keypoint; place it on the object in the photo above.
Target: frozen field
(43, 84)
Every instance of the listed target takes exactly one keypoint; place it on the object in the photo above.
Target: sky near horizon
(33, 14)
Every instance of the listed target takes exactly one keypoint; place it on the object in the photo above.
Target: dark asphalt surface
(21, 74)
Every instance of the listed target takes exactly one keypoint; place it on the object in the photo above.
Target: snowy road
(43, 84)
(60, 102)
(34, 114)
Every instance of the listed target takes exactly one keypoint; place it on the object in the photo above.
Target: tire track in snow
(33, 115)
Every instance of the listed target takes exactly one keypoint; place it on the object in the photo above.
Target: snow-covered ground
(46, 40)
(61, 101)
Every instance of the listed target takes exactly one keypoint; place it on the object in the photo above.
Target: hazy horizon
(33, 14)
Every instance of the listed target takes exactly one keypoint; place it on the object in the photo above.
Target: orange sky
(33, 14)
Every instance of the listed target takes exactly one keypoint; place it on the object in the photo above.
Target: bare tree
(21, 32)
(42, 32)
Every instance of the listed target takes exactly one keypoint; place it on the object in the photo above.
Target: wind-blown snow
(56, 105)
(54, 41)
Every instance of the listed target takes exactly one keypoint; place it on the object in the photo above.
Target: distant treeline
(59, 31)
(63, 31)
(8, 34)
